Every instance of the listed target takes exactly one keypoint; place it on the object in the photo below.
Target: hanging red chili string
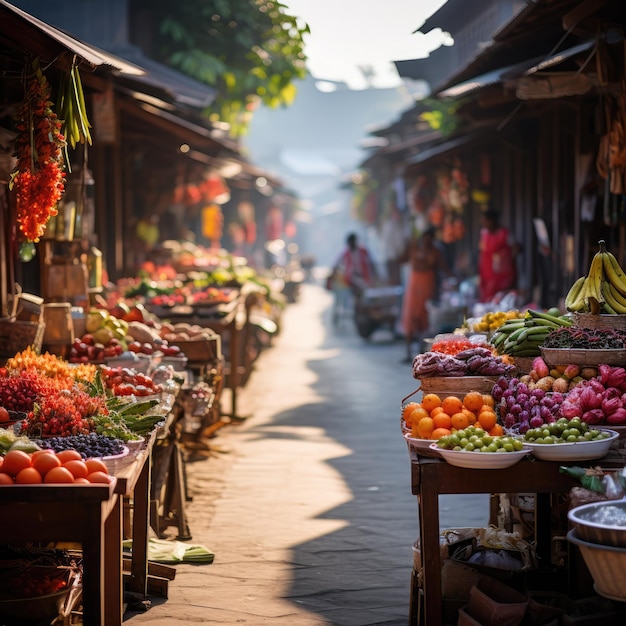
(38, 179)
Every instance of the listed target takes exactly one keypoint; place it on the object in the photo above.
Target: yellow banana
(614, 273)
(574, 293)
(579, 304)
(615, 299)
(595, 276)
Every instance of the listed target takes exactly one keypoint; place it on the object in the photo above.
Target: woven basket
(580, 356)
(457, 385)
(588, 320)
(17, 335)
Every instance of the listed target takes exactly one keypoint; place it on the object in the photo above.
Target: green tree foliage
(249, 50)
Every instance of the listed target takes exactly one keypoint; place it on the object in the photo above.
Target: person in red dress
(497, 251)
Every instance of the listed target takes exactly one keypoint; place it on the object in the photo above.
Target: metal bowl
(601, 522)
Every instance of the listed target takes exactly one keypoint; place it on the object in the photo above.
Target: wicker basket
(457, 385)
(17, 335)
(580, 356)
(588, 320)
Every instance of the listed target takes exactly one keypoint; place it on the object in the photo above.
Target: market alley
(307, 503)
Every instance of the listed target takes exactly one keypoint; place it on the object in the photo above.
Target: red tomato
(4, 415)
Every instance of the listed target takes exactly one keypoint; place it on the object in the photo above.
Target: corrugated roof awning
(26, 31)
(516, 70)
(446, 147)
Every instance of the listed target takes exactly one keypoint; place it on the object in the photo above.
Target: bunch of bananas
(522, 337)
(72, 109)
(602, 290)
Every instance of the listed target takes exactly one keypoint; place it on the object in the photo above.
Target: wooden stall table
(432, 476)
(89, 514)
(230, 321)
(92, 516)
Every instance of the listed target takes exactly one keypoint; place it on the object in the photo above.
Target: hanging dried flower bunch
(39, 176)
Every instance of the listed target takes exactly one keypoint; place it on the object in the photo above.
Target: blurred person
(353, 271)
(496, 262)
(393, 237)
(355, 265)
(426, 263)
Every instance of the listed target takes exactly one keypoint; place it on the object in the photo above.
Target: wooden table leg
(113, 606)
(141, 516)
(101, 540)
(428, 503)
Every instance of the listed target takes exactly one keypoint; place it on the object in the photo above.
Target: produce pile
(597, 396)
(586, 338)
(603, 289)
(523, 337)
(477, 361)
(61, 407)
(492, 320)
(435, 417)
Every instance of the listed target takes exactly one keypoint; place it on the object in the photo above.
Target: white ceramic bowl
(480, 460)
(421, 446)
(576, 451)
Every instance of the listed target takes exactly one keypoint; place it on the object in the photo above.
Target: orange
(459, 421)
(68, 455)
(425, 428)
(58, 475)
(81, 481)
(487, 420)
(496, 431)
(452, 405)
(78, 468)
(471, 416)
(28, 476)
(15, 461)
(5, 479)
(473, 400)
(99, 477)
(438, 433)
(416, 415)
(407, 409)
(431, 401)
(96, 465)
(488, 400)
(436, 411)
(442, 420)
(485, 407)
(43, 463)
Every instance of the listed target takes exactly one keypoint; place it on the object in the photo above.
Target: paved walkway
(308, 507)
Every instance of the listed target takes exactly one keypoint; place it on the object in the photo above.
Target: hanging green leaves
(72, 109)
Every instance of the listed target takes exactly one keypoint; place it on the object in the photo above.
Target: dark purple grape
(536, 422)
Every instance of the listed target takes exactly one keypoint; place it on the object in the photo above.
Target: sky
(346, 34)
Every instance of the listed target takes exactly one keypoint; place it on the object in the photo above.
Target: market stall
(526, 405)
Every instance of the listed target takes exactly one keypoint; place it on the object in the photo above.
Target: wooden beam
(581, 12)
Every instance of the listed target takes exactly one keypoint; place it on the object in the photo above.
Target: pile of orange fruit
(435, 417)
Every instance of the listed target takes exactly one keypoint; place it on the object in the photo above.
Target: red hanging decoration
(38, 179)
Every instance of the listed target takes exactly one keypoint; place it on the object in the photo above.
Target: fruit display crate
(603, 320)
(456, 385)
(582, 356)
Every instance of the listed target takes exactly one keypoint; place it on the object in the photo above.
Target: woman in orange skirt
(426, 262)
